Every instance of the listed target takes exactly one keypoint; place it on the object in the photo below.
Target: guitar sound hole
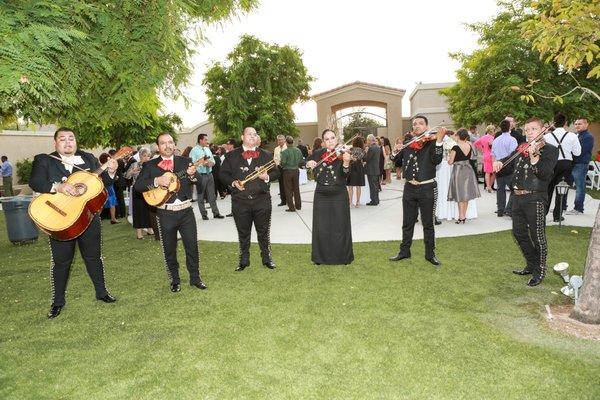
(81, 188)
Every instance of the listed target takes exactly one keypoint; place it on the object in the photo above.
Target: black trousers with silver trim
(255, 211)
(184, 222)
(529, 230)
(63, 252)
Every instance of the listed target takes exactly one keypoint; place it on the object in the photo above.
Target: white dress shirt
(569, 143)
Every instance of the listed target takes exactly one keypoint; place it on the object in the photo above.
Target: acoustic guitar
(65, 217)
(157, 196)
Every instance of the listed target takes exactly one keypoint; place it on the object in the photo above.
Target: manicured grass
(593, 192)
(374, 329)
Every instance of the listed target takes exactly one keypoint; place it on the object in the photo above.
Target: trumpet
(257, 172)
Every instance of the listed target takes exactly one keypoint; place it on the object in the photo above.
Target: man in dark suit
(176, 214)
(372, 169)
(49, 175)
(303, 149)
(250, 203)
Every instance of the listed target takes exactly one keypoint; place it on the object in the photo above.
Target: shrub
(24, 170)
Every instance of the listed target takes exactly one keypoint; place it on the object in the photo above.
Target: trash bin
(21, 229)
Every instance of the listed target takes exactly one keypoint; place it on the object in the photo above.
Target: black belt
(205, 173)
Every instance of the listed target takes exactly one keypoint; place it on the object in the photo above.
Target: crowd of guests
(467, 157)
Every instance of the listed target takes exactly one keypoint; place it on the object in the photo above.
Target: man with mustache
(176, 215)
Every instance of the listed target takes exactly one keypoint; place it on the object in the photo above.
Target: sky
(392, 43)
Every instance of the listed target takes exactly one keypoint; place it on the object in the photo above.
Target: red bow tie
(167, 165)
(250, 154)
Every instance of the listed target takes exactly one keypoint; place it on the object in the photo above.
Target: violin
(422, 139)
(417, 143)
(523, 148)
(336, 154)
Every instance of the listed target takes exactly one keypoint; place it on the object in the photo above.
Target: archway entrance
(364, 95)
(361, 122)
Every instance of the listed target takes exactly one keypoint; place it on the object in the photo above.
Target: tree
(566, 32)
(587, 310)
(100, 65)
(488, 77)
(359, 124)
(256, 86)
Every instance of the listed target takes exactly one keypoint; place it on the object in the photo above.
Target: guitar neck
(198, 163)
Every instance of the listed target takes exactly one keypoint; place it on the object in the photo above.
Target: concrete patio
(382, 222)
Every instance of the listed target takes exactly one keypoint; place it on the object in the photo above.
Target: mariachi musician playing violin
(533, 163)
(419, 159)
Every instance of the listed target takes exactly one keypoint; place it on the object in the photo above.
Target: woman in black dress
(356, 177)
(140, 209)
(332, 232)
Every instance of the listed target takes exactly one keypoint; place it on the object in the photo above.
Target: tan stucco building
(425, 99)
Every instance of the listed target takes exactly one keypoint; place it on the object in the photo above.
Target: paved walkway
(382, 222)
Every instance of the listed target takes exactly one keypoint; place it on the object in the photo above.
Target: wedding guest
(140, 209)
(463, 181)
(356, 176)
(484, 144)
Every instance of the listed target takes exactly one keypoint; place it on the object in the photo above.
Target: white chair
(594, 175)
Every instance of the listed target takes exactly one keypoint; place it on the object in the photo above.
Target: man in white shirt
(568, 146)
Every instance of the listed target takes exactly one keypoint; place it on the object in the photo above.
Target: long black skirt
(140, 212)
(332, 232)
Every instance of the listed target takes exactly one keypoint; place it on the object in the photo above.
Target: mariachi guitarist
(49, 175)
(176, 214)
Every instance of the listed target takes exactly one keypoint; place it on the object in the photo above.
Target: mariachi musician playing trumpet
(247, 170)
(176, 213)
(419, 159)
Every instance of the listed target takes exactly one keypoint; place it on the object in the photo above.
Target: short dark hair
(231, 142)
(289, 140)
(473, 127)
(62, 129)
(535, 119)
(559, 120)
(4, 158)
(358, 142)
(424, 118)
(200, 137)
(325, 131)
(161, 134)
(505, 125)
(463, 134)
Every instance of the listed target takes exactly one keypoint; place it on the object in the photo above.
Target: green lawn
(374, 329)
(593, 192)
